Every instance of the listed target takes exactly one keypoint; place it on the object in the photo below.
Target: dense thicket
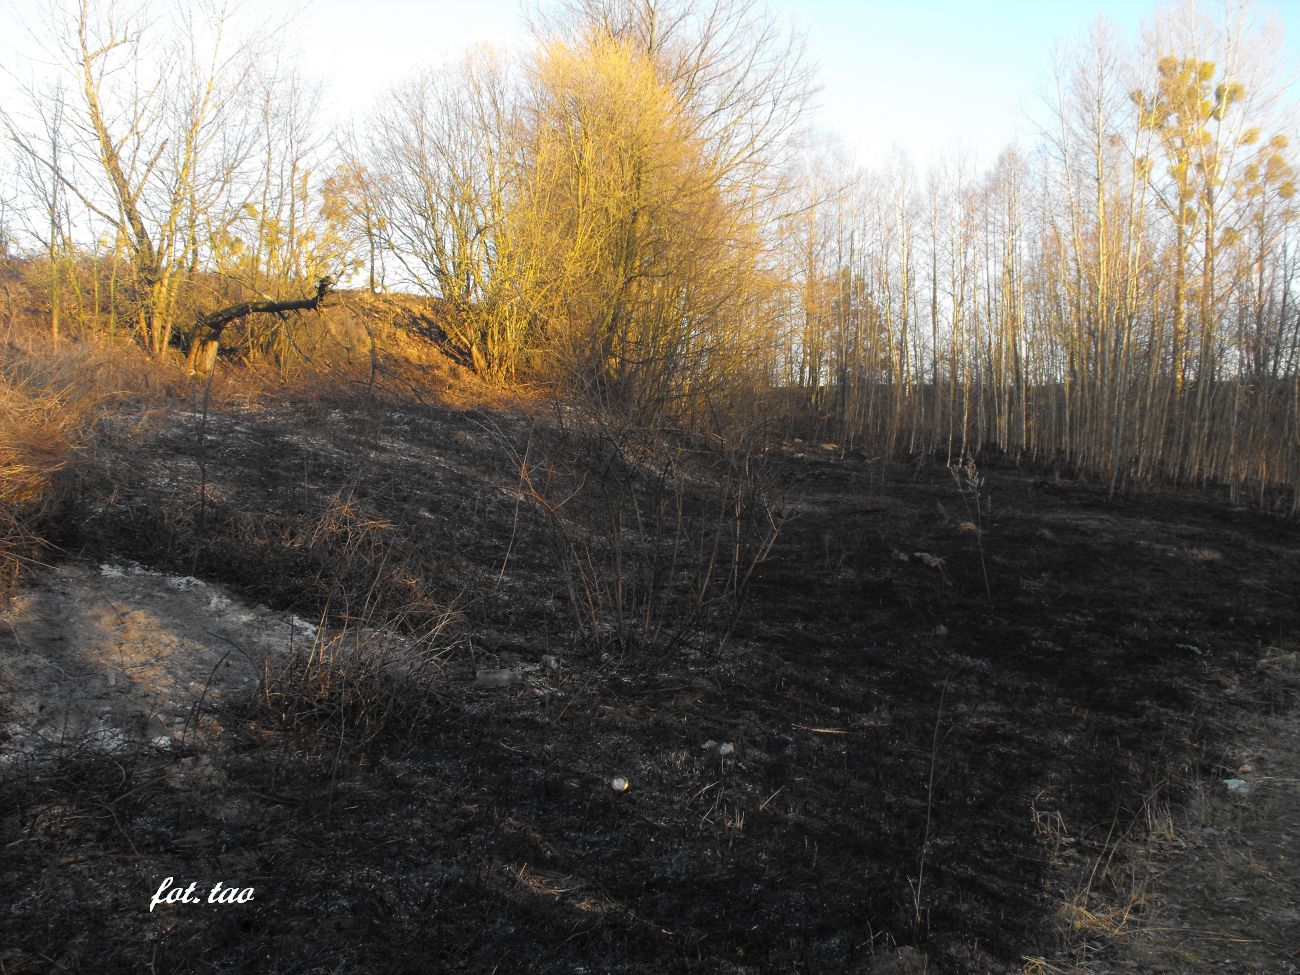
(632, 210)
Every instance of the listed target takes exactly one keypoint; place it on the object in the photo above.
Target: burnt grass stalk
(893, 745)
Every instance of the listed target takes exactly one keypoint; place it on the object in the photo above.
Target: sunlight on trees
(1120, 301)
(187, 156)
(632, 210)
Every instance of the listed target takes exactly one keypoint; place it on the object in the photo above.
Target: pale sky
(924, 75)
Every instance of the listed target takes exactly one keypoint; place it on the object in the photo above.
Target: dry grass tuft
(1208, 887)
(365, 683)
(50, 400)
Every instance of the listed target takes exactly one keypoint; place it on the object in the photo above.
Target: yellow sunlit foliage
(645, 268)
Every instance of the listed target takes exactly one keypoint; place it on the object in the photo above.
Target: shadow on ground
(940, 705)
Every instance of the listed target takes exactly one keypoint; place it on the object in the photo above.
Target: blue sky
(930, 74)
(924, 75)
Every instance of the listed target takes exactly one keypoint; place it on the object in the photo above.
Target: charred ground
(949, 695)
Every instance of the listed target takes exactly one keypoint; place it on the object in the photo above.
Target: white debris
(109, 739)
(298, 623)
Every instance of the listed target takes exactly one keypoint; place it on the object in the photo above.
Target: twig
(929, 804)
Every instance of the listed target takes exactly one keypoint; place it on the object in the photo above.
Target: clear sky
(931, 74)
(924, 75)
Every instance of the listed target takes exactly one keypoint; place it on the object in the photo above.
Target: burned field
(945, 700)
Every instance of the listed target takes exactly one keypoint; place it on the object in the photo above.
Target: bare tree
(171, 114)
(441, 175)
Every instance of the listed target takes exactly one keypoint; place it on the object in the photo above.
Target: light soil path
(110, 655)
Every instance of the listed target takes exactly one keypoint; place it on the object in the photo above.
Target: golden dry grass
(50, 399)
(39, 425)
(52, 396)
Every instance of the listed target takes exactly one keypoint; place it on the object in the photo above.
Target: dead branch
(203, 354)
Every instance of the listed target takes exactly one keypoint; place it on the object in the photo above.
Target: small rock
(497, 678)
(1237, 785)
(726, 748)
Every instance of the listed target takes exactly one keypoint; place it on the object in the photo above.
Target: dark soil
(945, 701)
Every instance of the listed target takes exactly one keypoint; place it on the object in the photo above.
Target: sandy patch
(115, 653)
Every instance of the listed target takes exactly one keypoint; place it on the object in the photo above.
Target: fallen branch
(203, 354)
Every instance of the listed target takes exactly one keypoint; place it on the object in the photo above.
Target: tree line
(634, 210)
(1119, 296)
